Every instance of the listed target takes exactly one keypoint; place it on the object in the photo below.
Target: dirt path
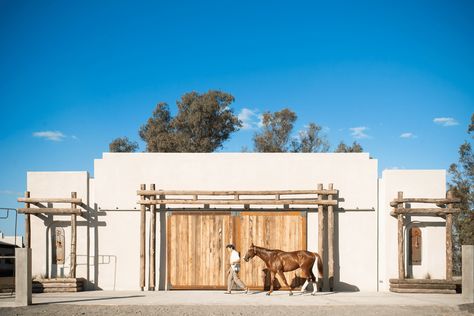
(168, 310)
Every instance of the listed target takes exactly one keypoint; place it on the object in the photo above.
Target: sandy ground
(216, 303)
(66, 309)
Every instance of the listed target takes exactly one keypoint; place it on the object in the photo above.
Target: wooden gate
(197, 258)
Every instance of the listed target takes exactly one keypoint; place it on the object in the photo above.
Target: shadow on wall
(92, 223)
(339, 286)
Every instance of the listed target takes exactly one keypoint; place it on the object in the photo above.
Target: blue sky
(397, 76)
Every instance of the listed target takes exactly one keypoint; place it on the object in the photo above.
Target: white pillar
(23, 282)
(468, 272)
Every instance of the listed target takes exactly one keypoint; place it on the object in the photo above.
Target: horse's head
(250, 253)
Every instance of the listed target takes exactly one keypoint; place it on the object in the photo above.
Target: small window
(415, 246)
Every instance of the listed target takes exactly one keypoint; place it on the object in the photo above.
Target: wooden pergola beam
(397, 201)
(50, 200)
(142, 240)
(331, 224)
(239, 202)
(247, 192)
(27, 223)
(424, 211)
(152, 244)
(321, 231)
(48, 210)
(401, 250)
(73, 237)
(449, 239)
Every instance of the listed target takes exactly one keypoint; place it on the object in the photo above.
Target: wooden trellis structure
(323, 199)
(40, 208)
(445, 210)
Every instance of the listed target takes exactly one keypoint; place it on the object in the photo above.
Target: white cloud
(445, 121)
(55, 136)
(251, 119)
(407, 135)
(359, 132)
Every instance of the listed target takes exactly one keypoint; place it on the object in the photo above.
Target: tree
(310, 140)
(275, 135)
(123, 145)
(202, 124)
(343, 148)
(462, 186)
(276, 131)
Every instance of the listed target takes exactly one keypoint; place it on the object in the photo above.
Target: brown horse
(279, 261)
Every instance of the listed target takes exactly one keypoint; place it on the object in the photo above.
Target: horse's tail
(319, 263)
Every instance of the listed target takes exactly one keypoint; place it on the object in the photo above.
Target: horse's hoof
(314, 294)
(268, 294)
(291, 294)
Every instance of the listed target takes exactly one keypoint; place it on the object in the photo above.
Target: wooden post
(401, 250)
(321, 232)
(331, 241)
(73, 238)
(142, 240)
(449, 240)
(27, 224)
(152, 241)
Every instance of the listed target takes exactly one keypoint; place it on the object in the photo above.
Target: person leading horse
(278, 261)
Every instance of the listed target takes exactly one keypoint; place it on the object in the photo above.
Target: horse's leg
(282, 276)
(272, 278)
(304, 274)
(315, 283)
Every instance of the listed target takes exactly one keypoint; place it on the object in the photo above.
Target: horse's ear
(252, 244)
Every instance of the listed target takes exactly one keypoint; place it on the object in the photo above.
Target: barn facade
(191, 238)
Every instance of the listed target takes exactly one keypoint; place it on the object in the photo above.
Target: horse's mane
(267, 249)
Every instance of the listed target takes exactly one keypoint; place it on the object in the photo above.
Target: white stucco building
(108, 253)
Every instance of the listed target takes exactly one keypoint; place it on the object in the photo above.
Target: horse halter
(247, 256)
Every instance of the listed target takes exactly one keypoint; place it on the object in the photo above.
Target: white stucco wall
(420, 184)
(109, 243)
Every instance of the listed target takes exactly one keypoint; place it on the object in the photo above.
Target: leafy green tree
(275, 135)
(462, 186)
(310, 140)
(343, 148)
(123, 145)
(202, 124)
(275, 132)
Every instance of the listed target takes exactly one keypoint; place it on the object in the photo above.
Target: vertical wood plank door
(275, 230)
(197, 258)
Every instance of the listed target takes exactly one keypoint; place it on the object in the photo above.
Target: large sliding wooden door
(275, 230)
(197, 258)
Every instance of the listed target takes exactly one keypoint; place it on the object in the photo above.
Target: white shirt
(234, 260)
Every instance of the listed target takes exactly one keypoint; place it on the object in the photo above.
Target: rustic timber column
(72, 272)
(401, 250)
(449, 239)
(321, 231)
(331, 241)
(27, 224)
(152, 241)
(142, 239)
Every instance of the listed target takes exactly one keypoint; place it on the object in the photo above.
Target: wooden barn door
(276, 230)
(196, 254)
(197, 258)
